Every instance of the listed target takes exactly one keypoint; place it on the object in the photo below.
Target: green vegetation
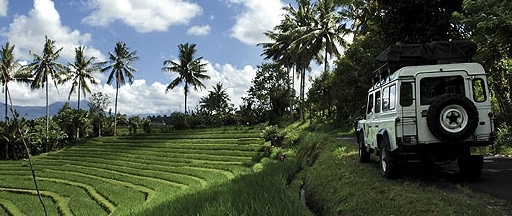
(261, 193)
(126, 175)
(337, 184)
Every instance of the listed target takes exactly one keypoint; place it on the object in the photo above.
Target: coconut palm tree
(10, 70)
(304, 32)
(45, 69)
(329, 31)
(80, 72)
(190, 71)
(292, 44)
(119, 65)
(216, 102)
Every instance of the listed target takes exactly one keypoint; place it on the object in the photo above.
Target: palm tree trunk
(302, 89)
(291, 91)
(6, 120)
(325, 61)
(78, 123)
(115, 112)
(6, 113)
(47, 114)
(186, 94)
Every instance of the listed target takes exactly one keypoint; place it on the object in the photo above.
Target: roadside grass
(337, 184)
(261, 193)
(129, 174)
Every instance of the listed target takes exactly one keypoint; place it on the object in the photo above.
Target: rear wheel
(470, 166)
(388, 164)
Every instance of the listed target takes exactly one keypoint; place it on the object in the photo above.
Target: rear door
(432, 85)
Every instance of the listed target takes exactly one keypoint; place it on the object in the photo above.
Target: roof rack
(437, 52)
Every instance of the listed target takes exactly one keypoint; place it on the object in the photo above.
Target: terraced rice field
(128, 174)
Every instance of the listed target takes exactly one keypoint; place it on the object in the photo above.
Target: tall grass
(261, 193)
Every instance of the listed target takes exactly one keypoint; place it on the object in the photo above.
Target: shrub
(273, 135)
(504, 140)
(146, 126)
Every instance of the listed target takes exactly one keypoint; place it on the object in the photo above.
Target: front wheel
(364, 155)
(388, 164)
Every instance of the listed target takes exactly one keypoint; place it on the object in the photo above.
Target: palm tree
(330, 28)
(10, 70)
(291, 42)
(301, 36)
(45, 68)
(120, 70)
(81, 73)
(216, 102)
(190, 70)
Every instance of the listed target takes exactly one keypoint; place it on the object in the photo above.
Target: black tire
(388, 164)
(364, 155)
(470, 166)
(452, 117)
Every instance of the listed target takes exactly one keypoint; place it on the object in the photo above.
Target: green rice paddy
(126, 175)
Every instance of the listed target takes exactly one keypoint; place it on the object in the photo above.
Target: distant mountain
(32, 112)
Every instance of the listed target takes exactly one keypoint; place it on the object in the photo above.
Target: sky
(226, 33)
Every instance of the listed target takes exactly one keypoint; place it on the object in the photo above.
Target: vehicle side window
(392, 97)
(406, 94)
(388, 98)
(370, 104)
(479, 94)
(385, 99)
(377, 102)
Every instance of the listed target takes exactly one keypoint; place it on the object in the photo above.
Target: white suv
(436, 112)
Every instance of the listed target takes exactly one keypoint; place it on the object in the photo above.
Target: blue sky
(226, 33)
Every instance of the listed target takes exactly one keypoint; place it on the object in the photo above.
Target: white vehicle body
(440, 111)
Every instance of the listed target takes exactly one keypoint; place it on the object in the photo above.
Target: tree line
(312, 31)
(49, 133)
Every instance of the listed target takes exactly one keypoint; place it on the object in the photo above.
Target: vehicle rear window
(433, 87)
(479, 94)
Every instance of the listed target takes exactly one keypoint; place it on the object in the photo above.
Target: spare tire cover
(452, 117)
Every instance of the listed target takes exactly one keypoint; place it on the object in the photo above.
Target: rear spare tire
(452, 117)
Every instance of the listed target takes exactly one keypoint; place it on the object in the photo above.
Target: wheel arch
(383, 139)
(359, 133)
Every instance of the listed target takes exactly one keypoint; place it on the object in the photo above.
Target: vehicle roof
(411, 71)
(470, 68)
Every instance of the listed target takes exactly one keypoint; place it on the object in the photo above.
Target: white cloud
(143, 15)
(199, 30)
(235, 81)
(3, 7)
(143, 98)
(28, 33)
(260, 16)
